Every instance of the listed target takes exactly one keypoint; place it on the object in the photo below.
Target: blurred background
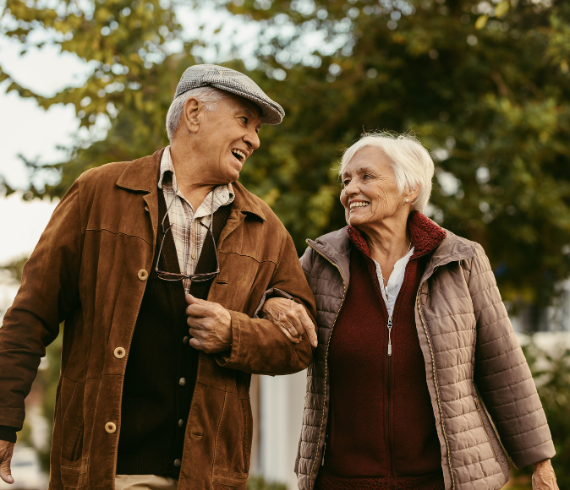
(485, 86)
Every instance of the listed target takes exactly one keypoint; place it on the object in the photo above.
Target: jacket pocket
(73, 465)
(72, 422)
(476, 400)
(233, 443)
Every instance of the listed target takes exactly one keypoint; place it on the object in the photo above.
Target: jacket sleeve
(502, 374)
(47, 295)
(258, 346)
(307, 262)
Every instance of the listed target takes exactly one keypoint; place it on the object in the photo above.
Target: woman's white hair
(207, 95)
(410, 161)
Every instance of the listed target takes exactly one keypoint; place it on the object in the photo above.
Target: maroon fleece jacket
(381, 431)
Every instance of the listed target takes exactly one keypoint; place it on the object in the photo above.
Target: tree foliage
(484, 86)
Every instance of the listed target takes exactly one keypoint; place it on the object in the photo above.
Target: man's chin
(234, 172)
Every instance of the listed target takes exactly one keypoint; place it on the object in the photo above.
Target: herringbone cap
(234, 82)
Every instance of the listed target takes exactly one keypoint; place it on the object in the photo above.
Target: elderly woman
(418, 381)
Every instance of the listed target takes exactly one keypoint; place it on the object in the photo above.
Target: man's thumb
(5, 472)
(192, 300)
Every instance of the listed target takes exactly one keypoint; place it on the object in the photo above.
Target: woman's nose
(351, 188)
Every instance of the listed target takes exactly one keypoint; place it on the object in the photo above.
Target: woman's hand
(543, 477)
(291, 318)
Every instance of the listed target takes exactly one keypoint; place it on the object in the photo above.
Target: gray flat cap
(234, 82)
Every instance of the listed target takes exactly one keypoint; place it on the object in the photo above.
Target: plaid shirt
(187, 230)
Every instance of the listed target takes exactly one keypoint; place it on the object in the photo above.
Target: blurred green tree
(484, 86)
(490, 101)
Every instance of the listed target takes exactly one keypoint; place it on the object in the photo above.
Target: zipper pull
(390, 336)
(324, 451)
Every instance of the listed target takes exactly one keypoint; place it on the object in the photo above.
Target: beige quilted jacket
(483, 396)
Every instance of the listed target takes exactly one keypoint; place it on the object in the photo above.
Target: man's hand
(291, 318)
(543, 477)
(210, 325)
(6, 450)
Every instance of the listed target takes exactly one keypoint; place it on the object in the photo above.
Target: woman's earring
(407, 200)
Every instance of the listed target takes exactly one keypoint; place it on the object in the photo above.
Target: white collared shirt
(392, 289)
(187, 232)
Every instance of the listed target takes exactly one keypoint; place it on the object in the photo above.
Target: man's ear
(192, 114)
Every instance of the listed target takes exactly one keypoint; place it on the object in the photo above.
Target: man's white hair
(207, 95)
(410, 161)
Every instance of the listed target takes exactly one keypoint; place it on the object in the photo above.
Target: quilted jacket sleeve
(307, 262)
(502, 374)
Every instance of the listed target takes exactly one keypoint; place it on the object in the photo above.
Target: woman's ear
(412, 195)
(192, 113)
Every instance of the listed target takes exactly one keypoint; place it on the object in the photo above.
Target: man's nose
(252, 140)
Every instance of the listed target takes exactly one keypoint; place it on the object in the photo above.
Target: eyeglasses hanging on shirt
(174, 276)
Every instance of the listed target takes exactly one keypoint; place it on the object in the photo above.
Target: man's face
(228, 136)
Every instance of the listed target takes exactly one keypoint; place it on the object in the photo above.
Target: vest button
(182, 382)
(180, 423)
(185, 340)
(177, 463)
(110, 427)
(119, 352)
(143, 275)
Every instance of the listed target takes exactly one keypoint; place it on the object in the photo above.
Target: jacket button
(110, 427)
(177, 463)
(119, 352)
(143, 275)
(182, 382)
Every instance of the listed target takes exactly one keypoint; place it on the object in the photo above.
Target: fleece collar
(424, 233)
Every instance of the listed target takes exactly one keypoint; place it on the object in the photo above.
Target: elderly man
(157, 268)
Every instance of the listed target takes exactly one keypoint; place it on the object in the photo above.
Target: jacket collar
(426, 236)
(424, 233)
(142, 175)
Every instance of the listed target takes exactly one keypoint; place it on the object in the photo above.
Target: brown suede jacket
(89, 270)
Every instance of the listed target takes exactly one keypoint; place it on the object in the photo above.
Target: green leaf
(481, 22)
(502, 8)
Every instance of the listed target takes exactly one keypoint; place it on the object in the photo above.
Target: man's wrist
(8, 433)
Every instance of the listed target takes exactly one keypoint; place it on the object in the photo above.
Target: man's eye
(245, 119)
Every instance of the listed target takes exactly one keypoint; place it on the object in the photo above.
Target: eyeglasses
(172, 276)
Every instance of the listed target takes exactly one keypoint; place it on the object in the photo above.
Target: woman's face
(370, 193)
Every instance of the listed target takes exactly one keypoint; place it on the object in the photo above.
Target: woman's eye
(345, 182)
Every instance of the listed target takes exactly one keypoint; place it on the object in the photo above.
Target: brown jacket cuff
(7, 433)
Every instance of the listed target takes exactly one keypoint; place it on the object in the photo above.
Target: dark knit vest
(162, 366)
(381, 431)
